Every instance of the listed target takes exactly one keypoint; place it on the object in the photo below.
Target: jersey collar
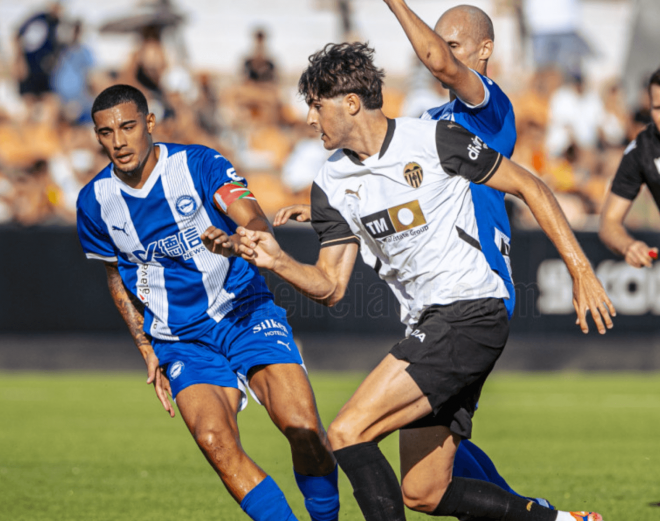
(391, 126)
(155, 174)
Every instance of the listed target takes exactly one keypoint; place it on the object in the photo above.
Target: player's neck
(139, 177)
(368, 136)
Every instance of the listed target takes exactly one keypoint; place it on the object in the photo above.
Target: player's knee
(342, 433)
(422, 496)
(220, 445)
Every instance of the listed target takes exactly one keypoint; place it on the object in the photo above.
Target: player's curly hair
(118, 94)
(654, 80)
(341, 69)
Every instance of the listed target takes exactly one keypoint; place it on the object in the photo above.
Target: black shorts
(451, 351)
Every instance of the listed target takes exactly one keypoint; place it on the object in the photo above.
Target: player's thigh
(285, 391)
(386, 400)
(427, 457)
(211, 411)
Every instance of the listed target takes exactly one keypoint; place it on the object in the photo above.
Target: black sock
(473, 499)
(374, 482)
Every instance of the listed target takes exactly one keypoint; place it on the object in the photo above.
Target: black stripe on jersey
(490, 174)
(391, 126)
(378, 265)
(328, 223)
(464, 154)
(462, 234)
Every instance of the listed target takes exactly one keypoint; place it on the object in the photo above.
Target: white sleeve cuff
(95, 256)
(486, 94)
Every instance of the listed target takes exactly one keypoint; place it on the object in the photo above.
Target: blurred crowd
(570, 133)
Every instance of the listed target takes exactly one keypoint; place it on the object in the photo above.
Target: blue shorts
(225, 354)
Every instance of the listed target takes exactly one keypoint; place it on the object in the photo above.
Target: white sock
(564, 516)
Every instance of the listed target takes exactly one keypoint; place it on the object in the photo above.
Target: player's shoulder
(87, 193)
(192, 151)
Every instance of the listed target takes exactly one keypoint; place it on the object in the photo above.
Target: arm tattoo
(130, 308)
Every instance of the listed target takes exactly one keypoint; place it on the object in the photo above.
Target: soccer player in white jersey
(398, 191)
(206, 321)
(457, 54)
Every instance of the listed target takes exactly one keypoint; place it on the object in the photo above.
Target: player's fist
(259, 248)
(217, 241)
(300, 212)
(638, 254)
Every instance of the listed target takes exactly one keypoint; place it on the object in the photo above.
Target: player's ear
(486, 49)
(353, 103)
(151, 122)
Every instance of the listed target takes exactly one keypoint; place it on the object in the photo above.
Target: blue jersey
(153, 233)
(494, 122)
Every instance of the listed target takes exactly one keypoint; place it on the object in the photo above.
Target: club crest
(414, 174)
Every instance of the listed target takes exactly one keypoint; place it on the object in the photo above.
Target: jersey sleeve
(221, 182)
(95, 241)
(464, 154)
(487, 94)
(328, 223)
(628, 179)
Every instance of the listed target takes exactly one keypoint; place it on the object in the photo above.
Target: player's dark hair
(654, 80)
(118, 94)
(341, 69)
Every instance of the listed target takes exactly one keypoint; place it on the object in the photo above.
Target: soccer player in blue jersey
(206, 324)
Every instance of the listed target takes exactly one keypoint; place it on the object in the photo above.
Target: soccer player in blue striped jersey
(457, 53)
(206, 324)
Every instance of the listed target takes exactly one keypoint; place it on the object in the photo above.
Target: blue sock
(472, 462)
(266, 502)
(321, 495)
(473, 455)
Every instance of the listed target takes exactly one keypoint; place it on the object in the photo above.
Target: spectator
(259, 67)
(70, 77)
(37, 48)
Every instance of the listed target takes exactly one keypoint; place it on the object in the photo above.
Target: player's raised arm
(325, 282)
(130, 310)
(588, 292)
(436, 54)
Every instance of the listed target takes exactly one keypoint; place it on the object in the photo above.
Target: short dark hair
(341, 69)
(654, 80)
(118, 94)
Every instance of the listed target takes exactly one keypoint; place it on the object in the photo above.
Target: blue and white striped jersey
(153, 233)
(494, 122)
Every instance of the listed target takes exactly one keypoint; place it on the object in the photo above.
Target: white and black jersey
(410, 209)
(640, 165)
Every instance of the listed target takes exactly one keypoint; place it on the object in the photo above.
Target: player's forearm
(615, 236)
(431, 49)
(311, 281)
(553, 222)
(128, 309)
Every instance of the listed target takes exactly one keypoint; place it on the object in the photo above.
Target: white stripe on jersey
(177, 182)
(114, 211)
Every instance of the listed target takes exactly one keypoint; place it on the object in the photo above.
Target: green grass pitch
(98, 447)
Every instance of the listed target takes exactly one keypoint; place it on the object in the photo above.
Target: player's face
(655, 105)
(328, 116)
(456, 31)
(125, 135)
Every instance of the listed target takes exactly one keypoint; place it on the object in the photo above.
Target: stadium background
(577, 106)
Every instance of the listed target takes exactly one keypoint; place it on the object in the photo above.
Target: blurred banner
(47, 285)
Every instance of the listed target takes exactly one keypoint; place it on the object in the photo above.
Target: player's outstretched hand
(589, 295)
(259, 248)
(217, 241)
(156, 376)
(639, 254)
(300, 212)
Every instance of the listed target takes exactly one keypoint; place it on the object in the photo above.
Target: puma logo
(453, 125)
(354, 192)
(120, 229)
